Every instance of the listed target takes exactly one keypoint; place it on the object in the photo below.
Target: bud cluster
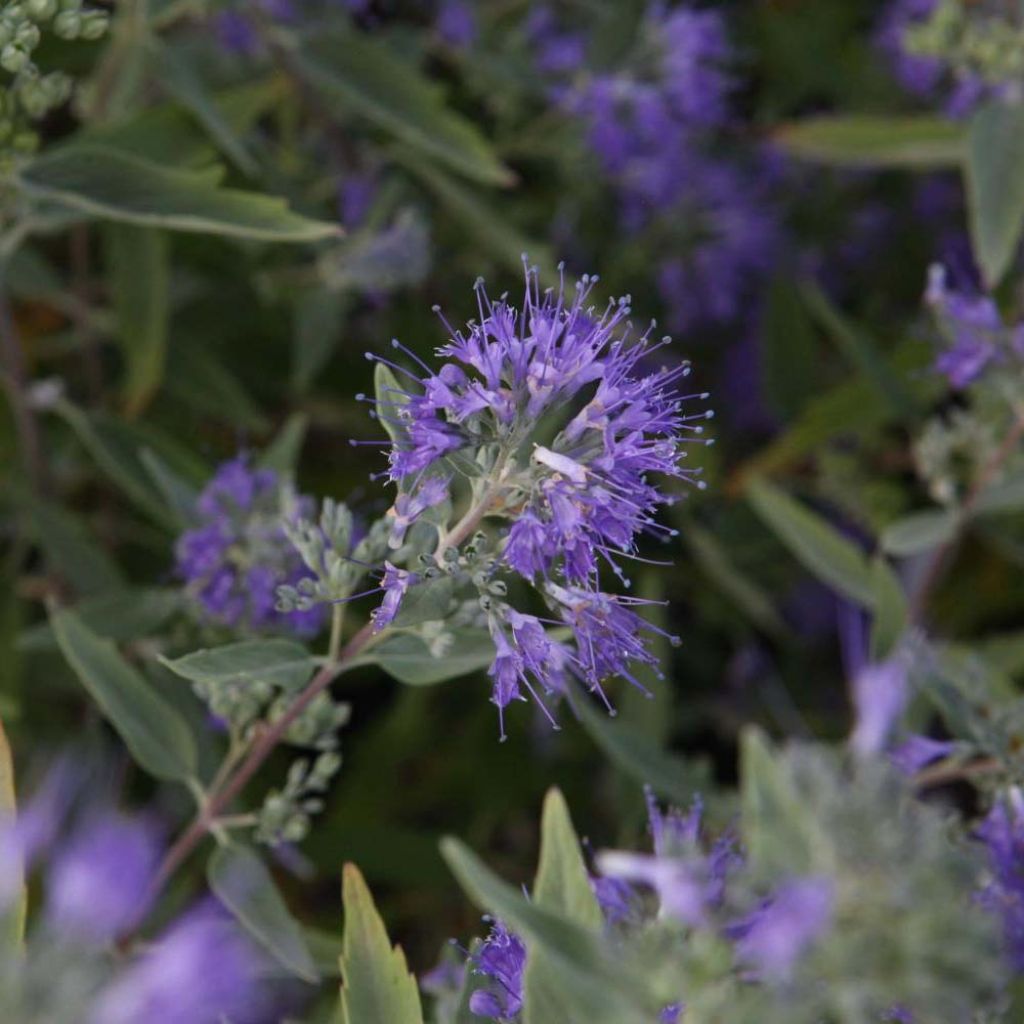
(31, 93)
(285, 815)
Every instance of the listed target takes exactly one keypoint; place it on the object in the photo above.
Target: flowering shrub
(299, 575)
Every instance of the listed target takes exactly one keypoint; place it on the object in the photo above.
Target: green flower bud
(95, 24)
(68, 24)
(41, 10)
(13, 59)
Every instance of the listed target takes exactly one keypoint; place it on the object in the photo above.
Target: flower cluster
(238, 554)
(559, 419)
(656, 124)
(1002, 832)
(973, 328)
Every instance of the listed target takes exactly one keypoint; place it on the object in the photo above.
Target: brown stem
(941, 557)
(258, 753)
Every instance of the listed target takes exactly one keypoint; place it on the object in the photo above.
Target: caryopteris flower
(560, 420)
(1002, 832)
(238, 554)
(501, 959)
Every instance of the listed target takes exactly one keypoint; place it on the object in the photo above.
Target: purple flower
(237, 555)
(916, 752)
(615, 897)
(236, 33)
(395, 583)
(879, 695)
(672, 1014)
(974, 328)
(200, 972)
(409, 507)
(355, 197)
(501, 959)
(775, 935)
(578, 495)
(1002, 832)
(681, 890)
(99, 880)
(456, 23)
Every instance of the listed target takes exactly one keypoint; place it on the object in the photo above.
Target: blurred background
(664, 147)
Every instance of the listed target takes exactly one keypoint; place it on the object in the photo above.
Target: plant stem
(260, 750)
(942, 555)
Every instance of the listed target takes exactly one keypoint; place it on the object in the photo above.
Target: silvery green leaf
(157, 736)
(411, 660)
(241, 881)
(427, 601)
(280, 662)
(919, 532)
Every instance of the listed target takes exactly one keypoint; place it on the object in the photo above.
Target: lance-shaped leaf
(156, 735)
(562, 885)
(409, 658)
(377, 984)
(819, 546)
(243, 884)
(920, 143)
(280, 662)
(920, 531)
(110, 184)
(282, 454)
(995, 186)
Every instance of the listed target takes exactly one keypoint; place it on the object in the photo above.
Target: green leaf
(428, 601)
(920, 531)
(820, 548)
(157, 736)
(139, 275)
(597, 984)
(858, 140)
(748, 597)
(279, 662)
(562, 886)
(282, 454)
(185, 84)
(178, 494)
(861, 350)
(789, 349)
(355, 72)
(121, 615)
(388, 393)
(378, 985)
(408, 658)
(241, 881)
(166, 134)
(633, 752)
(71, 553)
(892, 615)
(995, 186)
(104, 182)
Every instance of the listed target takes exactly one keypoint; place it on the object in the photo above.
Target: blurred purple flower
(775, 935)
(1002, 832)
(355, 197)
(456, 23)
(880, 694)
(236, 33)
(237, 556)
(99, 880)
(201, 971)
(917, 752)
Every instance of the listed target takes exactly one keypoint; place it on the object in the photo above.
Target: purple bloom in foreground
(917, 752)
(237, 556)
(775, 935)
(502, 960)
(200, 972)
(672, 1014)
(1002, 832)
(880, 695)
(99, 880)
(395, 583)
